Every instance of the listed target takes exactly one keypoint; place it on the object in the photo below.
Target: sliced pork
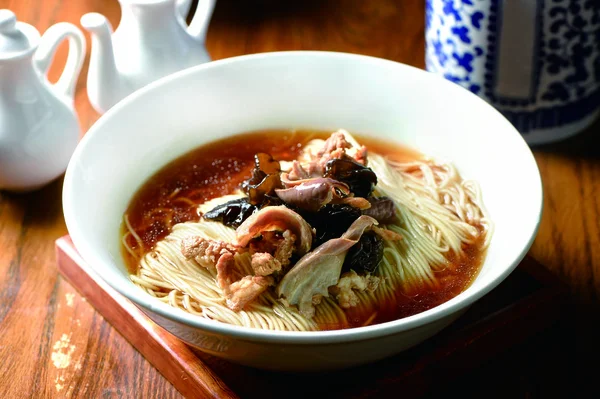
(314, 163)
(204, 251)
(225, 271)
(263, 264)
(344, 290)
(247, 290)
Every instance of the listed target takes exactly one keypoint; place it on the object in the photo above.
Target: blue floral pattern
(453, 48)
(463, 36)
(573, 56)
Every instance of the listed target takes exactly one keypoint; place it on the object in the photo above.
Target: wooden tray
(529, 298)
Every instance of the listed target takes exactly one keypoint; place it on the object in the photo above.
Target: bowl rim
(141, 299)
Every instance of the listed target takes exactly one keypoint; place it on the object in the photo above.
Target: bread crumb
(69, 296)
(61, 357)
(58, 383)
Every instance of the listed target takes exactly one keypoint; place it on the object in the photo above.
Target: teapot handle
(49, 42)
(201, 19)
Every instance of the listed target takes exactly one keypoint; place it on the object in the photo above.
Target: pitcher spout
(104, 81)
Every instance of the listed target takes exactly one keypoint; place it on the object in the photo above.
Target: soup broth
(173, 194)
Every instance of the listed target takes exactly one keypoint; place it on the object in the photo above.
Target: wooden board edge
(170, 356)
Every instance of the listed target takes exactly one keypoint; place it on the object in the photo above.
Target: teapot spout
(104, 84)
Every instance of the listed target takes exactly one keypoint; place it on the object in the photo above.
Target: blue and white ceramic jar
(536, 61)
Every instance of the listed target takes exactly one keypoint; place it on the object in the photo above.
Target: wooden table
(53, 344)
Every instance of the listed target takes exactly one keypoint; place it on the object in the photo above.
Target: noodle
(438, 212)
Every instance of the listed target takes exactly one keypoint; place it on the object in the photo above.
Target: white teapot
(151, 41)
(39, 128)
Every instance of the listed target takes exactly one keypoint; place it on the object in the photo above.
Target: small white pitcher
(39, 128)
(151, 41)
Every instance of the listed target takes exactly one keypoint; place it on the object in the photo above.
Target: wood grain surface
(53, 344)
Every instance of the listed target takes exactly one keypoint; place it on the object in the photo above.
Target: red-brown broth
(172, 195)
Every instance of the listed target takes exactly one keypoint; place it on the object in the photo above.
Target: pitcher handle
(182, 8)
(201, 19)
(44, 55)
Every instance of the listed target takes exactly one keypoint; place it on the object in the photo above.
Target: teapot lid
(16, 38)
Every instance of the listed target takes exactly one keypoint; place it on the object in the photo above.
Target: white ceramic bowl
(319, 90)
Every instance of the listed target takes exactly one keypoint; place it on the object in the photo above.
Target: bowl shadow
(584, 145)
